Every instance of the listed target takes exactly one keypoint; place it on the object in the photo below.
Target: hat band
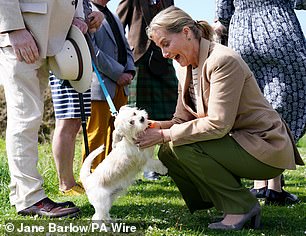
(79, 55)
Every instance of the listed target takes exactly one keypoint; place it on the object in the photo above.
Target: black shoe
(280, 198)
(282, 180)
(259, 193)
(66, 204)
(150, 175)
(48, 208)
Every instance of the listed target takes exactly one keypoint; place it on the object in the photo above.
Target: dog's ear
(117, 137)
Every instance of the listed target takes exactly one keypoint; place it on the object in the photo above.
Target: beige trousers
(24, 85)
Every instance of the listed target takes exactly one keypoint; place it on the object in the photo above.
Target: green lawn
(157, 207)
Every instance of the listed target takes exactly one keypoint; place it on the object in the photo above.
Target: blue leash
(109, 100)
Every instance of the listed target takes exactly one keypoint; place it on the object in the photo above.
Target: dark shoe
(150, 175)
(253, 215)
(66, 204)
(259, 193)
(280, 198)
(48, 208)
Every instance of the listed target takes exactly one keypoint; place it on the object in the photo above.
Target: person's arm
(10, 16)
(21, 40)
(224, 11)
(299, 4)
(125, 11)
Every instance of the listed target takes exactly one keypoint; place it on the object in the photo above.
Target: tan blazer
(48, 20)
(136, 15)
(230, 102)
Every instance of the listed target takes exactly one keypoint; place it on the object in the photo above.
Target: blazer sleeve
(10, 16)
(106, 64)
(125, 12)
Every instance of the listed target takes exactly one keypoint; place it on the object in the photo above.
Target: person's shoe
(280, 198)
(51, 209)
(259, 193)
(150, 175)
(76, 190)
(253, 215)
(66, 204)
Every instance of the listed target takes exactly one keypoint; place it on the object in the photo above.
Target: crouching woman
(223, 129)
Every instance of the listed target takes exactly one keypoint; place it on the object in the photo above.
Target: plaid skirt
(156, 94)
(66, 101)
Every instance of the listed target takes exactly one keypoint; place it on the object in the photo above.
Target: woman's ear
(186, 32)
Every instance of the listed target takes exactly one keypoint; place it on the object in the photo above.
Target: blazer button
(73, 3)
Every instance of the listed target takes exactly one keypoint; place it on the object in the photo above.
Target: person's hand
(125, 79)
(149, 138)
(24, 46)
(81, 24)
(94, 21)
(154, 124)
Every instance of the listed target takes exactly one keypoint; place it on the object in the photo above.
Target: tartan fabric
(157, 95)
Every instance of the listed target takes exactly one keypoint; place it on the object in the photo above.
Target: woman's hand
(149, 138)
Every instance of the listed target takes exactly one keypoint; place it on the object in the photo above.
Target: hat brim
(84, 83)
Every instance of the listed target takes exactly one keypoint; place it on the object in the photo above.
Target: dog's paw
(162, 170)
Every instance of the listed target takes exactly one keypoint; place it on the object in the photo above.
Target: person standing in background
(31, 33)
(115, 64)
(269, 38)
(68, 118)
(154, 87)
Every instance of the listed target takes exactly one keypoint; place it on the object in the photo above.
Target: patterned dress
(269, 38)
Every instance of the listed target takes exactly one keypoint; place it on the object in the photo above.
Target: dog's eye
(134, 114)
(132, 122)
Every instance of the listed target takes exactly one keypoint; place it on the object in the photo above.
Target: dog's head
(129, 122)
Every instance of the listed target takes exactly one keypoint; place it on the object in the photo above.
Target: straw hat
(73, 62)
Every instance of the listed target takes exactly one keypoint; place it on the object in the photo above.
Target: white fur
(119, 169)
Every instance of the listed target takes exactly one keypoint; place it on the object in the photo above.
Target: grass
(157, 207)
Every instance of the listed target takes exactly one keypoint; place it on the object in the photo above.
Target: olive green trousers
(209, 174)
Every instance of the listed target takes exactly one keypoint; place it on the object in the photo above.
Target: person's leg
(96, 129)
(63, 147)
(23, 86)
(100, 125)
(215, 168)
(188, 189)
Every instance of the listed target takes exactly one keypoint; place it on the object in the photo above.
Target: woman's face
(177, 46)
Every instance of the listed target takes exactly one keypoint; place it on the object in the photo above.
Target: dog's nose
(142, 119)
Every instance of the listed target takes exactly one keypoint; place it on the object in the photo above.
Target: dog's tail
(86, 167)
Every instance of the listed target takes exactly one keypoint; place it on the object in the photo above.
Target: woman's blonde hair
(173, 20)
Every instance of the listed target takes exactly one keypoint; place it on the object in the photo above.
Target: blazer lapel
(185, 87)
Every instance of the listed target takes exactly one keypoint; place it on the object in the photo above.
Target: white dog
(119, 169)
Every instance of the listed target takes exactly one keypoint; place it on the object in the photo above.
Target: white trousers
(24, 85)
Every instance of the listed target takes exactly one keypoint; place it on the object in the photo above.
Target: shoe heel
(255, 221)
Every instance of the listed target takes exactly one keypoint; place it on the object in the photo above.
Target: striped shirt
(193, 86)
